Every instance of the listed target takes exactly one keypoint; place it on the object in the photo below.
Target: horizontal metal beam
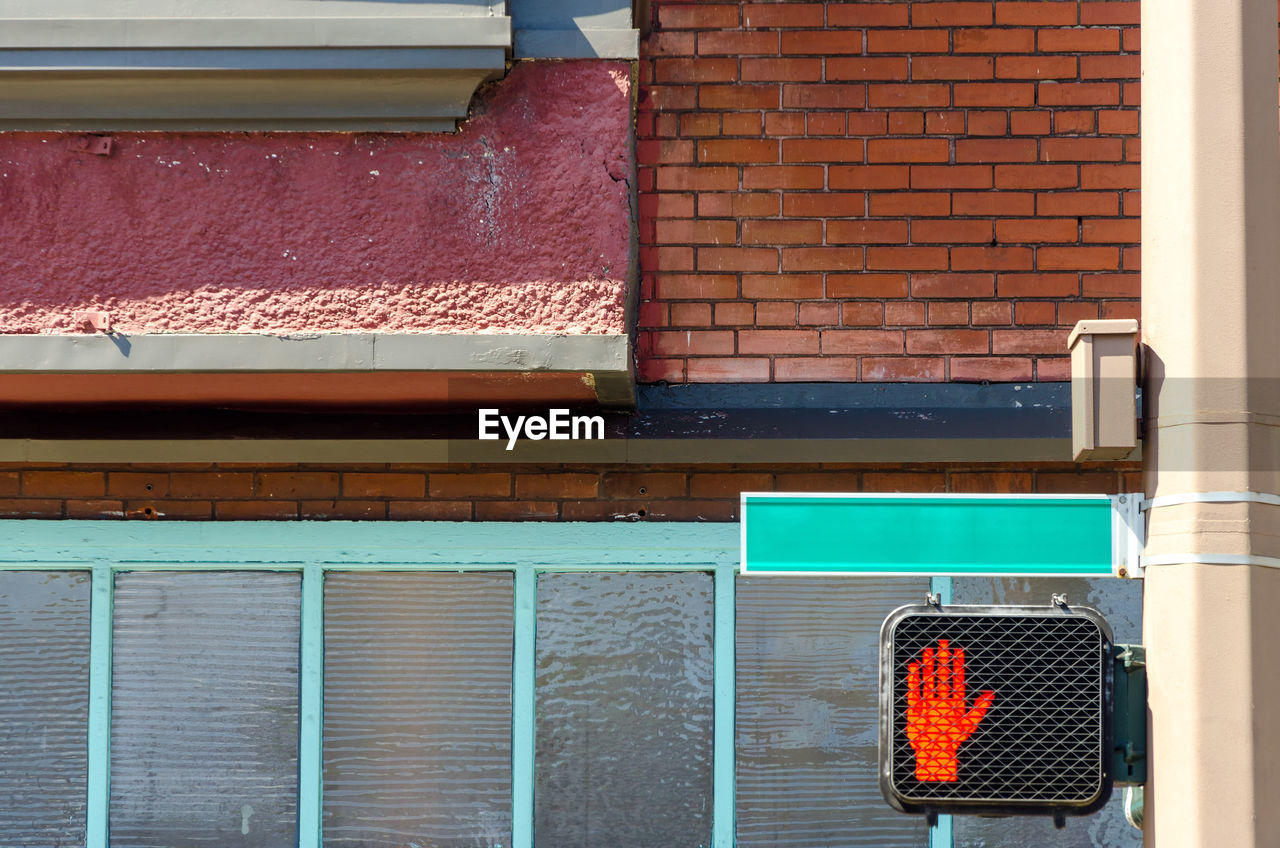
(698, 424)
(396, 72)
(264, 32)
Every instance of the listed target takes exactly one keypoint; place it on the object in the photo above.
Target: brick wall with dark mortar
(884, 191)
(207, 491)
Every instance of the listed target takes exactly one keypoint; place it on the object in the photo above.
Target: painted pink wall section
(519, 223)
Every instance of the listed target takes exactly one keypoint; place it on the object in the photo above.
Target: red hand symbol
(938, 721)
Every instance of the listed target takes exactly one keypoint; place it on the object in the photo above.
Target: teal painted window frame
(313, 548)
(107, 548)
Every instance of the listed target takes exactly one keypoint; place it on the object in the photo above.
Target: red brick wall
(203, 491)
(885, 190)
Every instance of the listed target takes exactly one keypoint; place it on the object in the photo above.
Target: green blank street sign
(934, 534)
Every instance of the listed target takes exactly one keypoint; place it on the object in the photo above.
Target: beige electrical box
(1104, 379)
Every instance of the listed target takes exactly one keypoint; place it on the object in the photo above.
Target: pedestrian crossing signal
(995, 710)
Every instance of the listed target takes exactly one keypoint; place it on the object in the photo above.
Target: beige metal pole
(1211, 321)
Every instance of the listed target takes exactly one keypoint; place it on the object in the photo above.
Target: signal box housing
(996, 710)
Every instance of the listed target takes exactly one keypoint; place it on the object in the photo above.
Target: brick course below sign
(457, 492)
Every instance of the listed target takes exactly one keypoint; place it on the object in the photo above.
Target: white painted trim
(1211, 497)
(1211, 559)
(309, 352)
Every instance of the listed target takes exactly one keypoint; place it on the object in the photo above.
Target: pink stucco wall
(519, 223)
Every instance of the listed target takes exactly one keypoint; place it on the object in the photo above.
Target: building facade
(265, 584)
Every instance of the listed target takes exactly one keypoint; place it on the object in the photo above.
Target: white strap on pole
(1211, 558)
(1211, 497)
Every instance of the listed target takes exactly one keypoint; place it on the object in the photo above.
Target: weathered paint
(724, 794)
(269, 544)
(99, 753)
(315, 548)
(311, 709)
(523, 706)
(339, 390)
(521, 222)
(334, 370)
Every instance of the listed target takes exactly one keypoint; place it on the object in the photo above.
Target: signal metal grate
(1041, 740)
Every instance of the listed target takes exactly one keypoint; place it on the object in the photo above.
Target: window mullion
(722, 833)
(522, 707)
(311, 698)
(99, 754)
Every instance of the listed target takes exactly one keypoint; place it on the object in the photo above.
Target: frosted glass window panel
(808, 712)
(417, 717)
(204, 714)
(1120, 602)
(44, 707)
(624, 710)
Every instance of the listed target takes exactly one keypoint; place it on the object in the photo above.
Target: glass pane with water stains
(624, 710)
(808, 712)
(1120, 602)
(44, 707)
(204, 714)
(417, 719)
